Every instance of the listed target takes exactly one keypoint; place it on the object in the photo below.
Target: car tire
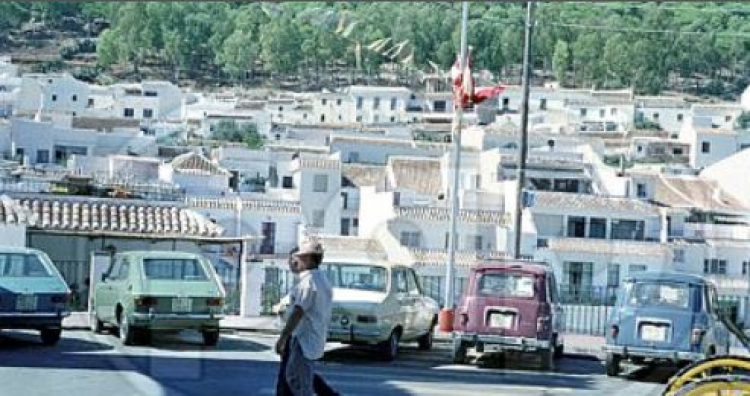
(547, 359)
(126, 331)
(458, 353)
(559, 348)
(96, 325)
(210, 337)
(425, 341)
(50, 336)
(389, 348)
(612, 364)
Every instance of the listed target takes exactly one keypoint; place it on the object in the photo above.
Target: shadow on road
(24, 341)
(655, 374)
(350, 370)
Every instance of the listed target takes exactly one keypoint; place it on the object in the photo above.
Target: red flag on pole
(463, 86)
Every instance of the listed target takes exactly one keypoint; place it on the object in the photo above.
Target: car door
(558, 315)
(718, 334)
(421, 314)
(104, 296)
(121, 290)
(403, 302)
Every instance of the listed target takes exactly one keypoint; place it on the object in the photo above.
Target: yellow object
(723, 375)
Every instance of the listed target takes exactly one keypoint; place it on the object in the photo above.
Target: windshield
(21, 265)
(506, 285)
(356, 276)
(174, 269)
(661, 294)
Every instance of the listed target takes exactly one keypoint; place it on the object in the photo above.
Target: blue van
(664, 318)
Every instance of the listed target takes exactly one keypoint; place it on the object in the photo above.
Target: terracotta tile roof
(103, 123)
(443, 214)
(420, 175)
(693, 192)
(196, 164)
(603, 246)
(344, 246)
(114, 215)
(357, 175)
(253, 205)
(580, 202)
(440, 257)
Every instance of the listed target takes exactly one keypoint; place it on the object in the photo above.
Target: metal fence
(277, 284)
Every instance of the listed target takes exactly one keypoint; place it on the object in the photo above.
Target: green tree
(229, 131)
(561, 61)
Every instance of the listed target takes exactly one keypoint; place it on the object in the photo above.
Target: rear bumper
(522, 344)
(172, 321)
(31, 320)
(663, 354)
(357, 335)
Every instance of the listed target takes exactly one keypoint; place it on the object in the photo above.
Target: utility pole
(523, 146)
(455, 206)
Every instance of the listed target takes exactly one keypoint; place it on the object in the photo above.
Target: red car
(510, 306)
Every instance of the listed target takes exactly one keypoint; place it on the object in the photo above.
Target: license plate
(182, 304)
(654, 333)
(26, 302)
(502, 321)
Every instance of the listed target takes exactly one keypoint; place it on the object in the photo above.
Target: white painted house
(51, 93)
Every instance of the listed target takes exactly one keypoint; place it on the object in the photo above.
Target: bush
(229, 131)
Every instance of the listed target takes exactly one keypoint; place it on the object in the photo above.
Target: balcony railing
(716, 231)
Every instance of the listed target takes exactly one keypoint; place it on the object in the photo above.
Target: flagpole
(522, 148)
(455, 206)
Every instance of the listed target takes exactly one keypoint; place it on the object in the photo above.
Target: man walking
(303, 339)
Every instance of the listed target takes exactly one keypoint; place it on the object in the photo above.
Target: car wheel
(612, 364)
(547, 359)
(127, 332)
(390, 347)
(96, 325)
(210, 337)
(559, 349)
(50, 336)
(459, 351)
(425, 341)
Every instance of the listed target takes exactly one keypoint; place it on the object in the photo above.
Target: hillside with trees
(700, 48)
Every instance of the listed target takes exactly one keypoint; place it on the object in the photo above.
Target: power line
(652, 31)
(664, 6)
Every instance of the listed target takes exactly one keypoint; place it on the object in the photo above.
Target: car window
(174, 269)
(356, 276)
(662, 294)
(506, 285)
(114, 269)
(400, 284)
(412, 282)
(21, 265)
(124, 271)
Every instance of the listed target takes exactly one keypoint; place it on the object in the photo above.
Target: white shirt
(315, 296)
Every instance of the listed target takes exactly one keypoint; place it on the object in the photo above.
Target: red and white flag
(463, 86)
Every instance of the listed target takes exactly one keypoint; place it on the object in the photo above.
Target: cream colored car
(378, 304)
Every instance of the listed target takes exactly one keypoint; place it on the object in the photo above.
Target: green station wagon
(33, 295)
(150, 291)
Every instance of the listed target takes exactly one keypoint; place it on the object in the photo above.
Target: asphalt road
(244, 364)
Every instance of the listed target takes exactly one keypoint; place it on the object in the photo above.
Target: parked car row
(508, 307)
(140, 292)
(513, 307)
